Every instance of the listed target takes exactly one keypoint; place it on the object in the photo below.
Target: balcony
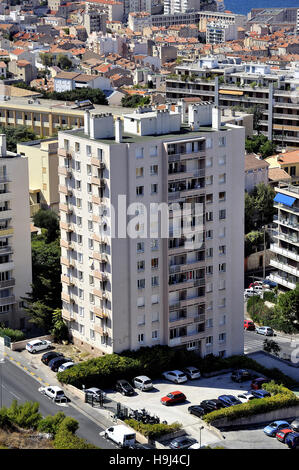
(100, 330)
(9, 266)
(66, 262)
(283, 281)
(97, 162)
(65, 244)
(98, 182)
(284, 267)
(67, 226)
(66, 208)
(100, 294)
(66, 297)
(8, 283)
(282, 251)
(67, 280)
(6, 214)
(6, 231)
(97, 200)
(102, 257)
(7, 300)
(99, 312)
(65, 190)
(5, 250)
(287, 237)
(66, 315)
(64, 170)
(101, 276)
(64, 153)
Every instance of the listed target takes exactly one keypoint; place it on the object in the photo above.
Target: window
(209, 180)
(139, 190)
(77, 147)
(209, 234)
(89, 206)
(81, 311)
(80, 257)
(140, 265)
(222, 267)
(78, 166)
(209, 162)
(140, 301)
(155, 263)
(90, 225)
(139, 172)
(100, 154)
(209, 143)
(222, 141)
(209, 287)
(209, 216)
(222, 250)
(141, 283)
(155, 317)
(154, 244)
(222, 232)
(92, 335)
(222, 302)
(91, 298)
(222, 320)
(79, 203)
(154, 188)
(141, 319)
(210, 253)
(153, 170)
(222, 160)
(209, 340)
(154, 151)
(91, 280)
(139, 152)
(222, 337)
(88, 170)
(79, 238)
(222, 178)
(140, 247)
(80, 275)
(209, 270)
(90, 243)
(209, 198)
(80, 294)
(81, 329)
(222, 196)
(141, 338)
(221, 284)
(222, 214)
(155, 299)
(155, 281)
(155, 335)
(89, 188)
(79, 221)
(91, 316)
(209, 323)
(88, 150)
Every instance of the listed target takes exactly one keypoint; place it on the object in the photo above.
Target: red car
(173, 397)
(282, 434)
(256, 384)
(249, 325)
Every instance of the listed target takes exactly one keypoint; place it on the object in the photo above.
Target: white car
(249, 292)
(95, 392)
(38, 345)
(264, 330)
(192, 372)
(176, 376)
(53, 392)
(245, 397)
(65, 366)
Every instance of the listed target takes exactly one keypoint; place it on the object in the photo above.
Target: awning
(283, 199)
(231, 92)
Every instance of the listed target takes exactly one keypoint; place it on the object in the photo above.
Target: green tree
(263, 200)
(17, 134)
(49, 220)
(268, 149)
(64, 62)
(25, 415)
(47, 59)
(133, 101)
(286, 311)
(60, 329)
(51, 424)
(271, 346)
(259, 144)
(249, 212)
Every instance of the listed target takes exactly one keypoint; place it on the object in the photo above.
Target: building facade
(126, 285)
(15, 237)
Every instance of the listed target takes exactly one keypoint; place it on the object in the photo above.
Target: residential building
(287, 161)
(67, 81)
(232, 83)
(15, 237)
(256, 171)
(124, 287)
(180, 6)
(286, 247)
(42, 158)
(218, 32)
(93, 19)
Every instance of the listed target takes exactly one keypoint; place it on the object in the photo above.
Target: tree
(60, 329)
(286, 311)
(259, 144)
(133, 101)
(47, 59)
(15, 135)
(271, 346)
(249, 212)
(49, 220)
(263, 201)
(268, 149)
(64, 62)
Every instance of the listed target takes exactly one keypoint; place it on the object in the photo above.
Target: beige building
(43, 173)
(127, 284)
(15, 237)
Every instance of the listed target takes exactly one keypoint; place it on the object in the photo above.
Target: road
(254, 342)
(17, 385)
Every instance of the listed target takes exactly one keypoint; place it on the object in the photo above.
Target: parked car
(295, 424)
(268, 282)
(274, 427)
(55, 363)
(229, 400)
(38, 345)
(211, 405)
(53, 392)
(245, 397)
(292, 440)
(257, 383)
(260, 393)
(123, 387)
(256, 283)
(249, 293)
(196, 410)
(264, 330)
(121, 435)
(176, 376)
(65, 366)
(282, 434)
(183, 442)
(240, 375)
(172, 398)
(142, 382)
(48, 356)
(95, 392)
(192, 372)
(249, 325)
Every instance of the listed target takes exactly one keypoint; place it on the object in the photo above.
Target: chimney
(118, 130)
(216, 118)
(87, 122)
(2, 145)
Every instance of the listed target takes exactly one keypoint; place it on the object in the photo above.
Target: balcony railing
(284, 267)
(7, 300)
(282, 251)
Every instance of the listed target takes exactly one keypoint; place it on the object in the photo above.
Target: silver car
(264, 330)
(142, 382)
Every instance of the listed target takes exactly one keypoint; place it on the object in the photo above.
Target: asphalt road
(254, 342)
(17, 385)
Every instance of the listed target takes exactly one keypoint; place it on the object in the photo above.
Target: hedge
(105, 370)
(153, 431)
(14, 335)
(281, 398)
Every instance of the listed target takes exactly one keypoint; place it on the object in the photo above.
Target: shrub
(153, 431)
(66, 440)
(14, 335)
(51, 424)
(25, 415)
(281, 398)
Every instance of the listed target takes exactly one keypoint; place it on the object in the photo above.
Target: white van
(120, 434)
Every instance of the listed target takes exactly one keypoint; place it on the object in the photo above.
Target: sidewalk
(271, 362)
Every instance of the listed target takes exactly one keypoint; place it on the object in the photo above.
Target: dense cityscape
(149, 238)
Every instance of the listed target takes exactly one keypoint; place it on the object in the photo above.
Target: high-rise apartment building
(286, 247)
(15, 237)
(138, 282)
(180, 6)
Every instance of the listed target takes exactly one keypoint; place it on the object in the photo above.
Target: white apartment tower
(180, 6)
(15, 237)
(123, 292)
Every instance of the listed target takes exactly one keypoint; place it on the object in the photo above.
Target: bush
(153, 431)
(67, 440)
(51, 424)
(14, 335)
(282, 398)
(25, 415)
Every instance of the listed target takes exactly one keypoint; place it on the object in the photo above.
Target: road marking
(32, 373)
(18, 398)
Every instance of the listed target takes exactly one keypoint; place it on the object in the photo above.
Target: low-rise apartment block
(130, 276)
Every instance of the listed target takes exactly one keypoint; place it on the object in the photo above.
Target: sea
(244, 6)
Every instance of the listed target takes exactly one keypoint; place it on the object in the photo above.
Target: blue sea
(244, 6)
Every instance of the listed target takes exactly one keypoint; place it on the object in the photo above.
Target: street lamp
(200, 429)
